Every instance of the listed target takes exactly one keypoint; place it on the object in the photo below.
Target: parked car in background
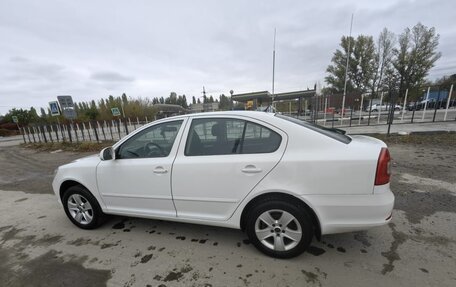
(383, 107)
(281, 180)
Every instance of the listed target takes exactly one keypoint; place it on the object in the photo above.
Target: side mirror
(107, 154)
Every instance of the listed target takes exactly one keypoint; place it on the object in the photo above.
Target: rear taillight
(383, 167)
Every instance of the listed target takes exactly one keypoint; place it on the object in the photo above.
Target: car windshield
(336, 134)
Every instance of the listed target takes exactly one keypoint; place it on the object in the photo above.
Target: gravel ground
(40, 247)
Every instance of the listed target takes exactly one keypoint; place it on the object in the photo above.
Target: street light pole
(273, 67)
(346, 71)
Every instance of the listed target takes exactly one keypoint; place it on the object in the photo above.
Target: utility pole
(204, 93)
(346, 71)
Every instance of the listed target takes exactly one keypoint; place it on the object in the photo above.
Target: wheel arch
(67, 184)
(284, 197)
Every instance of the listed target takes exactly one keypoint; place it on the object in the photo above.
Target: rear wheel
(279, 228)
(82, 208)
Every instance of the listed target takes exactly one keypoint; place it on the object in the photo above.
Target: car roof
(252, 114)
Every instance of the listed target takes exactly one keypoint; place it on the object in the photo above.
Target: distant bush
(7, 133)
(9, 126)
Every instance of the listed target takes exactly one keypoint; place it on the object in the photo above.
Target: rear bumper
(346, 213)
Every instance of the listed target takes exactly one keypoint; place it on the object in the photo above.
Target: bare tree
(383, 60)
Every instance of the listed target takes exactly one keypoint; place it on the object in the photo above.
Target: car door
(219, 163)
(138, 181)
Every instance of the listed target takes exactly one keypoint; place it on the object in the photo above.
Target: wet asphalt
(40, 247)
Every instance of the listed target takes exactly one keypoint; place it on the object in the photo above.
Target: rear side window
(259, 139)
(220, 136)
(332, 133)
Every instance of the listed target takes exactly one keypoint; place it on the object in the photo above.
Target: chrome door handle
(160, 170)
(251, 169)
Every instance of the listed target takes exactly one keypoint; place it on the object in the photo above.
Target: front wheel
(82, 208)
(279, 229)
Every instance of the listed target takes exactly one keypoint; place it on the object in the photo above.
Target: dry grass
(438, 138)
(66, 146)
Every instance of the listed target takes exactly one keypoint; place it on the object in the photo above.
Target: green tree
(361, 65)
(24, 116)
(415, 56)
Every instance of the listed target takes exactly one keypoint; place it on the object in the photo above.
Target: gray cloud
(149, 49)
(110, 77)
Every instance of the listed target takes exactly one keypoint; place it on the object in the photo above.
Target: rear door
(220, 161)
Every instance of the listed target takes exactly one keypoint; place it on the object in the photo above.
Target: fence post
(405, 103)
(95, 132)
(435, 108)
(332, 122)
(75, 132)
(102, 130)
(413, 113)
(351, 116)
(82, 131)
(370, 110)
(380, 109)
(361, 109)
(343, 109)
(22, 132)
(110, 130)
(33, 133)
(88, 131)
(50, 134)
(326, 108)
(126, 127)
(118, 129)
(41, 129)
(62, 132)
(69, 133)
(28, 134)
(37, 131)
(425, 103)
(56, 131)
(448, 103)
(391, 111)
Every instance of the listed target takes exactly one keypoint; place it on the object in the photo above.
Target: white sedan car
(281, 180)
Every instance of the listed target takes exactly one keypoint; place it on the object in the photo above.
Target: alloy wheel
(80, 209)
(278, 230)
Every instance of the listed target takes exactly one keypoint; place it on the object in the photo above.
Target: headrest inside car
(218, 130)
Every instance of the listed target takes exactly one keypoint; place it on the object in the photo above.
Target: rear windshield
(332, 133)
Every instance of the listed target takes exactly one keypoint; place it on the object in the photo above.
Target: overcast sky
(92, 49)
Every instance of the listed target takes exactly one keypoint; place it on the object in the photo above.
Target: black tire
(374, 110)
(276, 205)
(98, 217)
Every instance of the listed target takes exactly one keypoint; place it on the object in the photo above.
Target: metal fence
(92, 131)
(364, 109)
(328, 111)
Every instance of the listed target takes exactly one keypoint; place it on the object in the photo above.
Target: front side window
(156, 141)
(218, 136)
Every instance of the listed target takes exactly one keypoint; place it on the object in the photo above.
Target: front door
(137, 182)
